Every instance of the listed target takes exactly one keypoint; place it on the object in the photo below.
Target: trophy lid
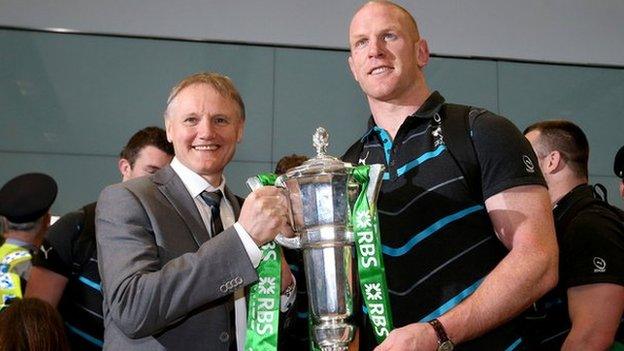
(322, 162)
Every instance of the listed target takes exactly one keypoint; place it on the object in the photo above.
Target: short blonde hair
(221, 83)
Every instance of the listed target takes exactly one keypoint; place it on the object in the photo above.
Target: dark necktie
(213, 200)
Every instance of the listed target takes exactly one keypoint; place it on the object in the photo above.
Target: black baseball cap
(27, 197)
(618, 164)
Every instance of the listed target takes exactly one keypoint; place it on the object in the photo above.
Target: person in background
(65, 273)
(462, 257)
(618, 169)
(31, 324)
(25, 202)
(584, 310)
(177, 249)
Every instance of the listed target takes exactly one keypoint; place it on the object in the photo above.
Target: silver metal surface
(319, 192)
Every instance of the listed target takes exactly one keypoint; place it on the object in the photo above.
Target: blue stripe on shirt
(90, 283)
(452, 302)
(402, 250)
(84, 335)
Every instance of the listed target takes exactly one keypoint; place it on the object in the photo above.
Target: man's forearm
(595, 312)
(519, 279)
(578, 340)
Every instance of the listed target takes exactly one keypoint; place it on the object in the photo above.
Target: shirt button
(224, 337)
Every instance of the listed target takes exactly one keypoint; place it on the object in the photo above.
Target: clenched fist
(265, 214)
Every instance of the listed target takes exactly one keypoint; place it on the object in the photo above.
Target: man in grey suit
(171, 275)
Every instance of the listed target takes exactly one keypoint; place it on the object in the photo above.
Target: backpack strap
(600, 192)
(84, 246)
(455, 123)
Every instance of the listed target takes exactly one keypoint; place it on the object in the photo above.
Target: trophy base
(333, 335)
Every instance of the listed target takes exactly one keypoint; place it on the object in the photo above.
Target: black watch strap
(444, 343)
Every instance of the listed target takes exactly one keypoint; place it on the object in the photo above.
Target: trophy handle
(376, 177)
(295, 241)
(292, 243)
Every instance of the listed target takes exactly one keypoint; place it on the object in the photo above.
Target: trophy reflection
(319, 192)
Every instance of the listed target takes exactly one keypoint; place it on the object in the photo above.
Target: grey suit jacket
(166, 284)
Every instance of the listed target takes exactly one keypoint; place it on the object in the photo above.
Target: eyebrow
(390, 28)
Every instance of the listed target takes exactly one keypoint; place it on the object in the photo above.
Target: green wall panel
(315, 88)
(464, 81)
(80, 178)
(237, 173)
(591, 97)
(75, 93)
(69, 102)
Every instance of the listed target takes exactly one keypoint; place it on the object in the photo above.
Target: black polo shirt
(438, 242)
(81, 303)
(591, 251)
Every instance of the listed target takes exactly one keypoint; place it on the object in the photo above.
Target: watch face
(446, 346)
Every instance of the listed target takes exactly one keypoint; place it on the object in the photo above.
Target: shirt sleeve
(592, 250)
(55, 253)
(505, 155)
(253, 251)
(287, 299)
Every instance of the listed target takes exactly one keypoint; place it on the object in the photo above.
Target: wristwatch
(444, 343)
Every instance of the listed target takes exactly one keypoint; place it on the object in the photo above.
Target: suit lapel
(171, 186)
(233, 200)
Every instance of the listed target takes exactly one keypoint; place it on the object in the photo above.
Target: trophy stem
(333, 334)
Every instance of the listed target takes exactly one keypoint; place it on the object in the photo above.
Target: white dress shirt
(195, 185)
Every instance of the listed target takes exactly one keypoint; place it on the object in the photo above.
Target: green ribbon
(264, 296)
(372, 273)
(264, 302)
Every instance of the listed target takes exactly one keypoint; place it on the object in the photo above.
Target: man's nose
(375, 48)
(205, 129)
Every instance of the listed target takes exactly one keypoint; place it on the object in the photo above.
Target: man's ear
(167, 127)
(124, 168)
(422, 53)
(240, 132)
(554, 162)
(352, 68)
(44, 225)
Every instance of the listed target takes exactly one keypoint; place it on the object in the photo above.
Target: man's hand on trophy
(265, 214)
(412, 337)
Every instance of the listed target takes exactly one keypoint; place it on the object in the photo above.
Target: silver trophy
(320, 192)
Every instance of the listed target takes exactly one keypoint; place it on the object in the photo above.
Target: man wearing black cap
(65, 273)
(25, 203)
(618, 168)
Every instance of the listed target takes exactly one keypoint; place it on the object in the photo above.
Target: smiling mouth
(211, 147)
(380, 70)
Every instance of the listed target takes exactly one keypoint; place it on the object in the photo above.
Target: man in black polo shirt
(583, 312)
(618, 169)
(65, 273)
(465, 259)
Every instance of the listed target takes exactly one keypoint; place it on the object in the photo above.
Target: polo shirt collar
(572, 197)
(427, 110)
